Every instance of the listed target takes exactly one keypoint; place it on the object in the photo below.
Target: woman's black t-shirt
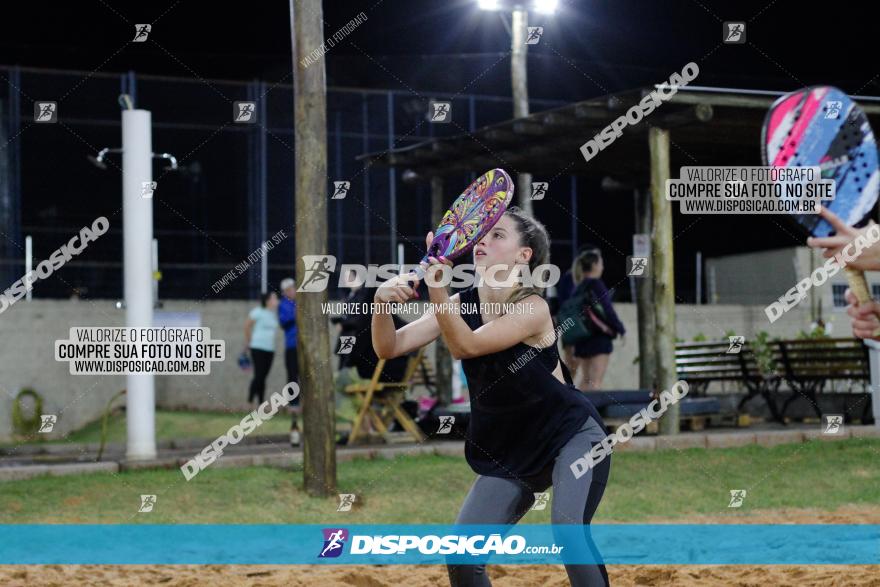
(521, 414)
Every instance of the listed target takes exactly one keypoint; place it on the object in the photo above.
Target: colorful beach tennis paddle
(471, 216)
(822, 126)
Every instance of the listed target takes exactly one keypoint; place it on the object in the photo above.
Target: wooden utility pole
(442, 357)
(645, 298)
(663, 276)
(519, 77)
(313, 337)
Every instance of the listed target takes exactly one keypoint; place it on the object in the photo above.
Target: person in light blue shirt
(259, 333)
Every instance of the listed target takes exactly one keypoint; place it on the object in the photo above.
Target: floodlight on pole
(539, 6)
(545, 6)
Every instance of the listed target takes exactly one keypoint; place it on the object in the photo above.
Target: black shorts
(598, 344)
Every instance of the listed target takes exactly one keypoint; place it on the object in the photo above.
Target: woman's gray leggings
(495, 500)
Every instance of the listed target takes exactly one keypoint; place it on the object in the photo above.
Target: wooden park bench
(386, 397)
(701, 363)
(809, 364)
(804, 364)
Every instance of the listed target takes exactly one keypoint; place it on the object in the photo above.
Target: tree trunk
(664, 278)
(310, 164)
(442, 357)
(645, 299)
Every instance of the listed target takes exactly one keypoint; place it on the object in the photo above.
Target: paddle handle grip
(858, 284)
(419, 272)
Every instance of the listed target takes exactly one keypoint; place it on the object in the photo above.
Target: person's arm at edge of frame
(865, 323)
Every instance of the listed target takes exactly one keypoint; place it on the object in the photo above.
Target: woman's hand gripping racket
(821, 126)
(471, 216)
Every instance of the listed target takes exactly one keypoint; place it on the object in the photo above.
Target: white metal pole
(699, 277)
(154, 255)
(264, 267)
(28, 260)
(137, 229)
(874, 364)
(520, 87)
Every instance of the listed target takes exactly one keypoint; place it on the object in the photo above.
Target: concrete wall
(733, 279)
(712, 321)
(763, 277)
(28, 331)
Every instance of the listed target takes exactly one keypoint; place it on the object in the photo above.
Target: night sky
(589, 48)
(445, 44)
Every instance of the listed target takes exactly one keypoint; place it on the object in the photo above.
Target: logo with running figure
(737, 497)
(832, 108)
(635, 266)
(541, 501)
(46, 112)
(833, 424)
(334, 542)
(318, 270)
(47, 422)
(147, 503)
(736, 344)
(244, 112)
(346, 500)
(734, 33)
(439, 111)
(539, 190)
(340, 190)
(141, 32)
(446, 423)
(535, 33)
(346, 345)
(147, 188)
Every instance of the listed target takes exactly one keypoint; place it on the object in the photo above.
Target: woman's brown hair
(583, 264)
(534, 235)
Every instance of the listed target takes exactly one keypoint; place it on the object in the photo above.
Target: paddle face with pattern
(822, 126)
(471, 216)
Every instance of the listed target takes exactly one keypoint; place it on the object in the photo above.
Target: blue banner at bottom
(615, 544)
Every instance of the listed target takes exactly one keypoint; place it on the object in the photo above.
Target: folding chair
(388, 396)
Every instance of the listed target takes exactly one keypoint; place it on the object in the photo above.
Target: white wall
(28, 331)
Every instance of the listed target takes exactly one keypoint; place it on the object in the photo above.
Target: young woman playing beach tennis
(528, 423)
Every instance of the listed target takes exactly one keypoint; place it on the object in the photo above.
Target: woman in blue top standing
(287, 318)
(528, 422)
(259, 334)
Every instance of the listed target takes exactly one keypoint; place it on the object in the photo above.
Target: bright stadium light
(546, 6)
(488, 4)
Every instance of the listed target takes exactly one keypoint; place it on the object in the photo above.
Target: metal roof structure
(708, 126)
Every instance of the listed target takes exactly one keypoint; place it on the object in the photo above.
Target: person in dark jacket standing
(287, 318)
(565, 289)
(592, 354)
